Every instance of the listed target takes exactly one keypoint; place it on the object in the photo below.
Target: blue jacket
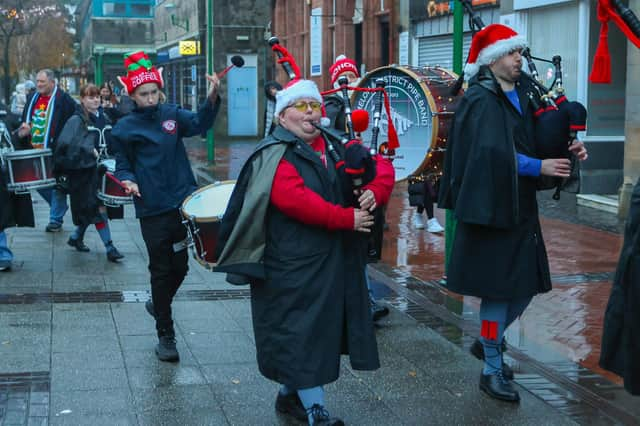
(149, 151)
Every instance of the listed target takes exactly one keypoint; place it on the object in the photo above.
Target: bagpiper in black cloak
(620, 352)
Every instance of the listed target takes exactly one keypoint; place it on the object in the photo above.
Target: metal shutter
(439, 50)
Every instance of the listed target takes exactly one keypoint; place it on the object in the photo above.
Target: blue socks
(496, 316)
(311, 397)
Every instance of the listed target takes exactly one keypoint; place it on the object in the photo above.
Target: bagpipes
(557, 119)
(358, 162)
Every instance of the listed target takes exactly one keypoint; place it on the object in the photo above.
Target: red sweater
(290, 195)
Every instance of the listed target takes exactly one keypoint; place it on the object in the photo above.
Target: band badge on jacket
(169, 126)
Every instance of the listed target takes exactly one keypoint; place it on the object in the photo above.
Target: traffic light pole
(211, 153)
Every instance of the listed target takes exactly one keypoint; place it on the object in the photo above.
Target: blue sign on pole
(194, 73)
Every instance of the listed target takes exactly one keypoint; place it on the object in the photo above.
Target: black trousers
(167, 267)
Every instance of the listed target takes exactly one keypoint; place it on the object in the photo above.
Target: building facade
(107, 30)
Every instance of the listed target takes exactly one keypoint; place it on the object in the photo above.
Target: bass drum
(421, 110)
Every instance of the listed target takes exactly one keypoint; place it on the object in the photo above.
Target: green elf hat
(140, 71)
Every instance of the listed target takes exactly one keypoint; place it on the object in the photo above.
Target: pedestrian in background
(498, 251)
(620, 349)
(270, 90)
(76, 158)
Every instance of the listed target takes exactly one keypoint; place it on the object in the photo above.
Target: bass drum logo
(411, 113)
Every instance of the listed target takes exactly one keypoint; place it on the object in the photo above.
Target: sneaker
(166, 349)
(5, 265)
(418, 220)
(319, 416)
(78, 244)
(53, 227)
(113, 255)
(434, 226)
(291, 405)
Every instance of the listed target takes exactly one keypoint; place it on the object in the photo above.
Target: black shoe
(291, 405)
(5, 265)
(113, 255)
(53, 227)
(378, 311)
(497, 386)
(78, 244)
(166, 349)
(321, 417)
(150, 309)
(477, 350)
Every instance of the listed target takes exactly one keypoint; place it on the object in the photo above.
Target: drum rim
(435, 127)
(121, 201)
(25, 154)
(203, 219)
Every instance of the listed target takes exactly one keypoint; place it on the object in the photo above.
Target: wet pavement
(76, 345)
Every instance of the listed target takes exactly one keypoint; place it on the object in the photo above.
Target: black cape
(306, 310)
(498, 251)
(620, 352)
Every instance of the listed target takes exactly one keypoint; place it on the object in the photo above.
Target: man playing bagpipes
(285, 232)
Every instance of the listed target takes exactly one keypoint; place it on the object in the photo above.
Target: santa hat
(490, 44)
(139, 71)
(342, 64)
(294, 90)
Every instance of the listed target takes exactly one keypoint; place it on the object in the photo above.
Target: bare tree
(19, 18)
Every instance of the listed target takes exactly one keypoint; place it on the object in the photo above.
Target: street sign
(188, 47)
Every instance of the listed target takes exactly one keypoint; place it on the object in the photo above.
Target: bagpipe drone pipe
(354, 159)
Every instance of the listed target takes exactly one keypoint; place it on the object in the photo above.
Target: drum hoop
(114, 200)
(203, 219)
(435, 127)
(27, 154)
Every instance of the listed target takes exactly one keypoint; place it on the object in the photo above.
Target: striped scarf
(41, 139)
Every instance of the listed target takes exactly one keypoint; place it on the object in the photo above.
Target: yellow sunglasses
(302, 106)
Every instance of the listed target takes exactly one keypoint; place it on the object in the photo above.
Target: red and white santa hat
(294, 90)
(341, 65)
(490, 44)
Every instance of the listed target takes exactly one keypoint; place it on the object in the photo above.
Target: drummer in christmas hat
(498, 254)
(152, 163)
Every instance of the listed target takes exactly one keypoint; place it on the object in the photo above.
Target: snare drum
(421, 110)
(202, 212)
(112, 194)
(29, 169)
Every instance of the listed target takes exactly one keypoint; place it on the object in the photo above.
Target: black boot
(166, 347)
(78, 244)
(497, 386)
(150, 309)
(320, 417)
(477, 350)
(113, 255)
(291, 405)
(378, 311)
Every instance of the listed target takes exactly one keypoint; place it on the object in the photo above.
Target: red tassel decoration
(601, 71)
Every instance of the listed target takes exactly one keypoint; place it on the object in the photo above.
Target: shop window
(606, 103)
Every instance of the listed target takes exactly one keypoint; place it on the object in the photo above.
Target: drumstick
(117, 181)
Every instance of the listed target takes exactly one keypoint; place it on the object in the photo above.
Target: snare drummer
(151, 160)
(44, 117)
(76, 157)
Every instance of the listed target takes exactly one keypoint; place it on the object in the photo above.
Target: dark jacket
(498, 251)
(270, 104)
(149, 151)
(305, 311)
(334, 107)
(75, 159)
(64, 109)
(620, 350)
(15, 209)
